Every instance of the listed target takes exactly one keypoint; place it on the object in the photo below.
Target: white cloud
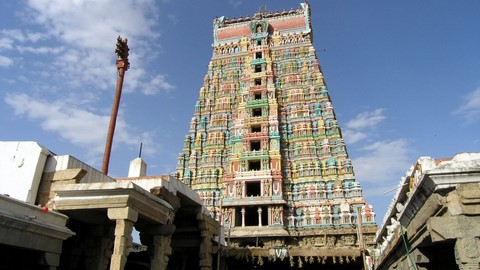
(82, 35)
(93, 24)
(366, 120)
(34, 37)
(13, 34)
(353, 136)
(8, 37)
(6, 43)
(39, 50)
(75, 124)
(72, 57)
(234, 3)
(382, 162)
(362, 126)
(173, 18)
(470, 109)
(156, 84)
(5, 61)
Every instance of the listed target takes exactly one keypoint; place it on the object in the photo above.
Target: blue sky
(404, 78)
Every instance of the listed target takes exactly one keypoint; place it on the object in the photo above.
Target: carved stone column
(125, 219)
(98, 246)
(206, 249)
(467, 253)
(259, 211)
(208, 228)
(160, 249)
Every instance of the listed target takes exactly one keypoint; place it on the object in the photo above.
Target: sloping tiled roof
(279, 25)
(227, 33)
(275, 25)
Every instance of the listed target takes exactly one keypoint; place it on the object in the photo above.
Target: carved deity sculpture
(345, 209)
(277, 215)
(238, 188)
(227, 215)
(266, 188)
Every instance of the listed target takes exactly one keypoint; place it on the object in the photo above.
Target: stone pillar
(98, 245)
(158, 239)
(208, 228)
(161, 252)
(243, 216)
(259, 211)
(270, 214)
(50, 261)
(125, 219)
(206, 250)
(467, 253)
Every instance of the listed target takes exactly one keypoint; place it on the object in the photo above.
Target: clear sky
(404, 78)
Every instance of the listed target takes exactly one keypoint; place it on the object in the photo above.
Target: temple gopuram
(265, 151)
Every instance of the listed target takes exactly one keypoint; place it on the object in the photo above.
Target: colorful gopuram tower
(264, 149)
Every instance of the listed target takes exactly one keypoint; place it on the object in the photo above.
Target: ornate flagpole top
(122, 52)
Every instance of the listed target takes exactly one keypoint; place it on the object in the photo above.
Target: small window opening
(251, 216)
(264, 216)
(254, 165)
(258, 68)
(253, 189)
(258, 96)
(256, 129)
(259, 42)
(258, 81)
(258, 55)
(255, 146)
(238, 217)
(257, 112)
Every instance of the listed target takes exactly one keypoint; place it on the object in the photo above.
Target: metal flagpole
(122, 66)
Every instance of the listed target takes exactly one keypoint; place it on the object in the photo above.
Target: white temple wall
(21, 168)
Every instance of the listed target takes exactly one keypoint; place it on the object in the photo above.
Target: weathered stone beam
(168, 196)
(470, 198)
(444, 228)
(50, 180)
(429, 208)
(113, 195)
(127, 213)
